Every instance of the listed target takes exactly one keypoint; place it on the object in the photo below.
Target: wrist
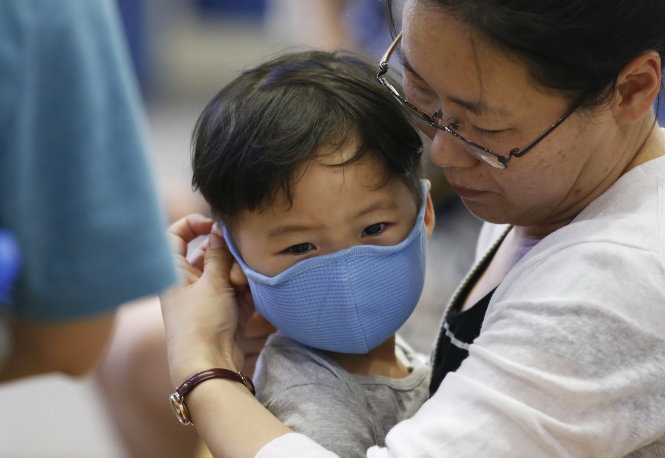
(184, 364)
(177, 399)
(181, 372)
(187, 368)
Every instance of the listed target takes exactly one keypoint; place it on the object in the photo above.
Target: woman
(540, 115)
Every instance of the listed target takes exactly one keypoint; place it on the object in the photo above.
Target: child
(314, 171)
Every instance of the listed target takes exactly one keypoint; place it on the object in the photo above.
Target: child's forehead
(336, 170)
(325, 189)
(336, 178)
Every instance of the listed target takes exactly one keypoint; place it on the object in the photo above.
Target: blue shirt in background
(75, 189)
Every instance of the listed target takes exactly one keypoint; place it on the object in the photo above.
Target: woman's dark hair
(258, 130)
(577, 47)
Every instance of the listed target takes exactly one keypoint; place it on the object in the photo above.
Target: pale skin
(538, 193)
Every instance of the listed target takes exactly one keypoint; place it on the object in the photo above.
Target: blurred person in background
(76, 193)
(359, 25)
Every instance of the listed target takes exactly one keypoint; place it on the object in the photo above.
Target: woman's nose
(447, 151)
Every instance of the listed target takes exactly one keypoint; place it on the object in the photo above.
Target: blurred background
(183, 52)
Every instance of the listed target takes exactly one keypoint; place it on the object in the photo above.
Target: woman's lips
(466, 193)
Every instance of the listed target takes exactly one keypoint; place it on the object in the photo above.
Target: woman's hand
(211, 323)
(253, 329)
(205, 315)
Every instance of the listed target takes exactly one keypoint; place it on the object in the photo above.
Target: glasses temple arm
(383, 63)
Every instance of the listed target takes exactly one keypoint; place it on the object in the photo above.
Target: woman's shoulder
(608, 260)
(629, 214)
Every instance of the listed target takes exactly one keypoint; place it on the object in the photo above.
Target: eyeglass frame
(501, 161)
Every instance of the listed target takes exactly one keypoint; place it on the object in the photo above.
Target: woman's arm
(72, 347)
(201, 317)
(566, 359)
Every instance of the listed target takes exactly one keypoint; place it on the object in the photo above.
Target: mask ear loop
(424, 191)
(232, 248)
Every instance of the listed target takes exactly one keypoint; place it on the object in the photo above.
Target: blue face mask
(349, 301)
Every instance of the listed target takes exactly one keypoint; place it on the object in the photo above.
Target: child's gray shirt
(344, 412)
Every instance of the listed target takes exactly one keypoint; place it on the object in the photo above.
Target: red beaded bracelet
(178, 398)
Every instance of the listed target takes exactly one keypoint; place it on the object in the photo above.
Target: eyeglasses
(434, 120)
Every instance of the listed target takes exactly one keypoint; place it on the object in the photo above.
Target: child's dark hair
(259, 129)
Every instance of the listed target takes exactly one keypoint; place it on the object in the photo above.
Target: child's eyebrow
(378, 205)
(286, 229)
(289, 229)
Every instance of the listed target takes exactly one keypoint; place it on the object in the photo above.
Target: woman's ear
(430, 217)
(637, 87)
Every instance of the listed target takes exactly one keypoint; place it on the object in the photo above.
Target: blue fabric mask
(349, 301)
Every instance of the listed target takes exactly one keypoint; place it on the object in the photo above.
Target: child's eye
(374, 229)
(300, 248)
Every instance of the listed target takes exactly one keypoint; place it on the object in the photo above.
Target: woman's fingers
(196, 255)
(188, 273)
(180, 234)
(213, 303)
(217, 258)
(187, 229)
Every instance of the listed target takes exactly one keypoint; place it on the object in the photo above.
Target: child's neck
(380, 361)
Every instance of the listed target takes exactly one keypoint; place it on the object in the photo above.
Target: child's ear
(637, 87)
(430, 217)
(237, 276)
